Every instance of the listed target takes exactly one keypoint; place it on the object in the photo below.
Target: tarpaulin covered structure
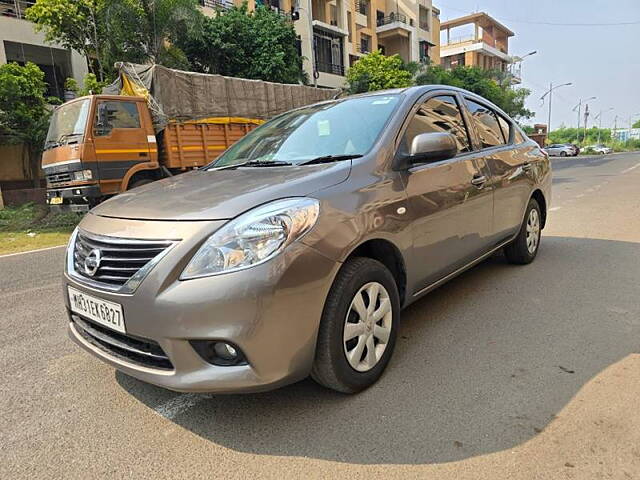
(179, 96)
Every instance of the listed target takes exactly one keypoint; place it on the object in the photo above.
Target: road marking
(178, 404)
(554, 209)
(631, 168)
(580, 196)
(32, 251)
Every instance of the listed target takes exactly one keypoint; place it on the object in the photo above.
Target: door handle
(479, 180)
(526, 166)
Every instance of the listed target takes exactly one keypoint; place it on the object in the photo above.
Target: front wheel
(358, 328)
(563, 154)
(524, 248)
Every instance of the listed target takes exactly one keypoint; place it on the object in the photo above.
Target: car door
(120, 141)
(450, 202)
(509, 164)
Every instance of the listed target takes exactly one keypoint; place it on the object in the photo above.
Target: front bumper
(75, 198)
(271, 312)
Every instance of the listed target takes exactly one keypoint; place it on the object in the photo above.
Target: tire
(331, 367)
(139, 183)
(519, 251)
(563, 154)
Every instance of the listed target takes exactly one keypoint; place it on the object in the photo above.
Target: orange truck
(157, 124)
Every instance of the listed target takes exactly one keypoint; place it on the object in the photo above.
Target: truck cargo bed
(194, 144)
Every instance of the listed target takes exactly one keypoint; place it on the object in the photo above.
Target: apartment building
(333, 34)
(20, 43)
(476, 40)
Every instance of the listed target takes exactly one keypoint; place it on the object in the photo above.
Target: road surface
(505, 372)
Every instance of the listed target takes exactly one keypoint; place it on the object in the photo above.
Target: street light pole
(550, 93)
(599, 118)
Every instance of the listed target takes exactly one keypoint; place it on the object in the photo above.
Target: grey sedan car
(294, 253)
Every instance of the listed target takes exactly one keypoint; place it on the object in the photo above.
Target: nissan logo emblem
(92, 262)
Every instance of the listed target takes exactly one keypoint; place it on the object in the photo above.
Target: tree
(24, 112)
(376, 71)
(636, 125)
(149, 30)
(238, 43)
(74, 25)
(484, 83)
(109, 31)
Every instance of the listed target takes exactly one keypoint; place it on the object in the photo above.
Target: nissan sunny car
(294, 253)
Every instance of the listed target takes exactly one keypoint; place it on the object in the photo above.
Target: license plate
(100, 311)
(55, 201)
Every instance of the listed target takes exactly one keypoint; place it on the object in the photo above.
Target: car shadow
(482, 364)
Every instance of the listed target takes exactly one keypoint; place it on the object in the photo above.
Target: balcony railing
(333, 68)
(392, 18)
(15, 8)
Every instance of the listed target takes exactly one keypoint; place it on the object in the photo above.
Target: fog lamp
(219, 353)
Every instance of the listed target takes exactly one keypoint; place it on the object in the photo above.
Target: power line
(557, 24)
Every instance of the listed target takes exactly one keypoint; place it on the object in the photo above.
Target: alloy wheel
(367, 327)
(533, 231)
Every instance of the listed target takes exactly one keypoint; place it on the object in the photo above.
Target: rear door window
(438, 114)
(486, 123)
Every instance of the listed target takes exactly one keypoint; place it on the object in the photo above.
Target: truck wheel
(358, 327)
(139, 183)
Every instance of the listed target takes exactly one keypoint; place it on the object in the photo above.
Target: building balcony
(459, 45)
(330, 27)
(394, 24)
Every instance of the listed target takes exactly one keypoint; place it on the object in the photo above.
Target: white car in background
(561, 150)
(599, 148)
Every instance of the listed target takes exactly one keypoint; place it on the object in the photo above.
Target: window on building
(329, 50)
(349, 30)
(424, 18)
(423, 48)
(363, 7)
(438, 114)
(486, 123)
(365, 43)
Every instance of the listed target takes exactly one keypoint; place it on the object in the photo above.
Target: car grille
(58, 179)
(140, 351)
(120, 260)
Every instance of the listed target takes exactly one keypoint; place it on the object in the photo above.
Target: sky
(600, 61)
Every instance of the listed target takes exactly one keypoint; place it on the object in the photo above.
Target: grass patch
(29, 227)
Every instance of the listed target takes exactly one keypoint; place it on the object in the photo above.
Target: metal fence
(392, 18)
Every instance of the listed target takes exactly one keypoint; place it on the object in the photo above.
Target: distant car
(561, 150)
(599, 148)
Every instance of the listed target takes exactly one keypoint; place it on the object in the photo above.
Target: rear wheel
(358, 328)
(563, 154)
(525, 246)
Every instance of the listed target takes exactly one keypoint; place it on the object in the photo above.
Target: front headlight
(254, 237)
(83, 175)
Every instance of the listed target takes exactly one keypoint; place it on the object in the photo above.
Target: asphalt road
(505, 372)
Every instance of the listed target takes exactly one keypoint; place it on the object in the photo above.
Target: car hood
(220, 195)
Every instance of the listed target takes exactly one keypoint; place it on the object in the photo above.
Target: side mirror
(432, 147)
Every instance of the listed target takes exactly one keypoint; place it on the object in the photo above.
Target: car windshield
(67, 124)
(341, 129)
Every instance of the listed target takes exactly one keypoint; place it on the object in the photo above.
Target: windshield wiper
(330, 159)
(252, 163)
(67, 135)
